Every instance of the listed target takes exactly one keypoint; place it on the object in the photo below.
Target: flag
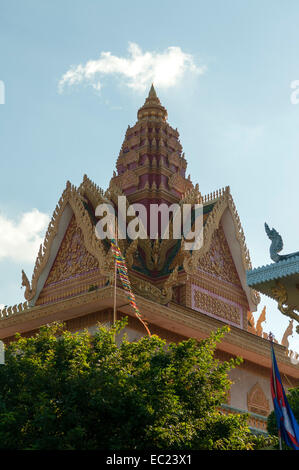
(123, 274)
(287, 425)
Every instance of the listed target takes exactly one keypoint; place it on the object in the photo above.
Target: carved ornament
(257, 401)
(280, 294)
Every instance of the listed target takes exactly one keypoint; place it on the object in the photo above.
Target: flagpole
(115, 280)
(270, 336)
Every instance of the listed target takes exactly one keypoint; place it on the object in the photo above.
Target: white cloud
(20, 241)
(137, 71)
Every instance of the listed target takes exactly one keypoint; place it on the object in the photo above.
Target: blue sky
(230, 101)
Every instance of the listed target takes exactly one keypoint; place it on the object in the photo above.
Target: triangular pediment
(218, 261)
(74, 269)
(72, 259)
(220, 215)
(70, 249)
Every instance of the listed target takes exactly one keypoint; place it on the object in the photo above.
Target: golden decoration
(218, 259)
(177, 182)
(128, 179)
(261, 319)
(280, 294)
(149, 291)
(26, 284)
(224, 201)
(72, 258)
(130, 252)
(251, 323)
(93, 245)
(288, 332)
(206, 303)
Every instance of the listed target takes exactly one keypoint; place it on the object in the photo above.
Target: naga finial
(25, 283)
(277, 245)
(288, 332)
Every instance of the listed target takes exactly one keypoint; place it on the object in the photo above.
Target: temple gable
(216, 289)
(72, 258)
(74, 269)
(218, 260)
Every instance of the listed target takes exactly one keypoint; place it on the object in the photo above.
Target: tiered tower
(151, 166)
(180, 293)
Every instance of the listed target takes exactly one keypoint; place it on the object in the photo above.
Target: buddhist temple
(180, 293)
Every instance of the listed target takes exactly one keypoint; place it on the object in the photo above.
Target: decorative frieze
(217, 307)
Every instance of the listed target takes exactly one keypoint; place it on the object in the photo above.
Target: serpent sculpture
(277, 245)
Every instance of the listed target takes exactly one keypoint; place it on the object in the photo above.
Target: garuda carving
(280, 294)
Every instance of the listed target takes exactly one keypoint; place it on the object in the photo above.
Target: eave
(286, 272)
(174, 318)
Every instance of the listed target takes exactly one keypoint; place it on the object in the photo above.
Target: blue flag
(287, 425)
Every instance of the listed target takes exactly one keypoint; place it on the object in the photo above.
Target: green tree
(60, 390)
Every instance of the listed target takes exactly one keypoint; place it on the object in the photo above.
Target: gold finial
(152, 108)
(152, 92)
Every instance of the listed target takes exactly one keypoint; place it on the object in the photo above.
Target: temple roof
(274, 271)
(169, 254)
(279, 281)
(151, 168)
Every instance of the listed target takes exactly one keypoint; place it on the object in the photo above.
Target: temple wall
(250, 391)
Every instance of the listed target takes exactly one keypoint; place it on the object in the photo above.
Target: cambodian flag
(287, 425)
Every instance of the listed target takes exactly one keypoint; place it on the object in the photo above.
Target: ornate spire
(152, 108)
(152, 93)
(150, 163)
